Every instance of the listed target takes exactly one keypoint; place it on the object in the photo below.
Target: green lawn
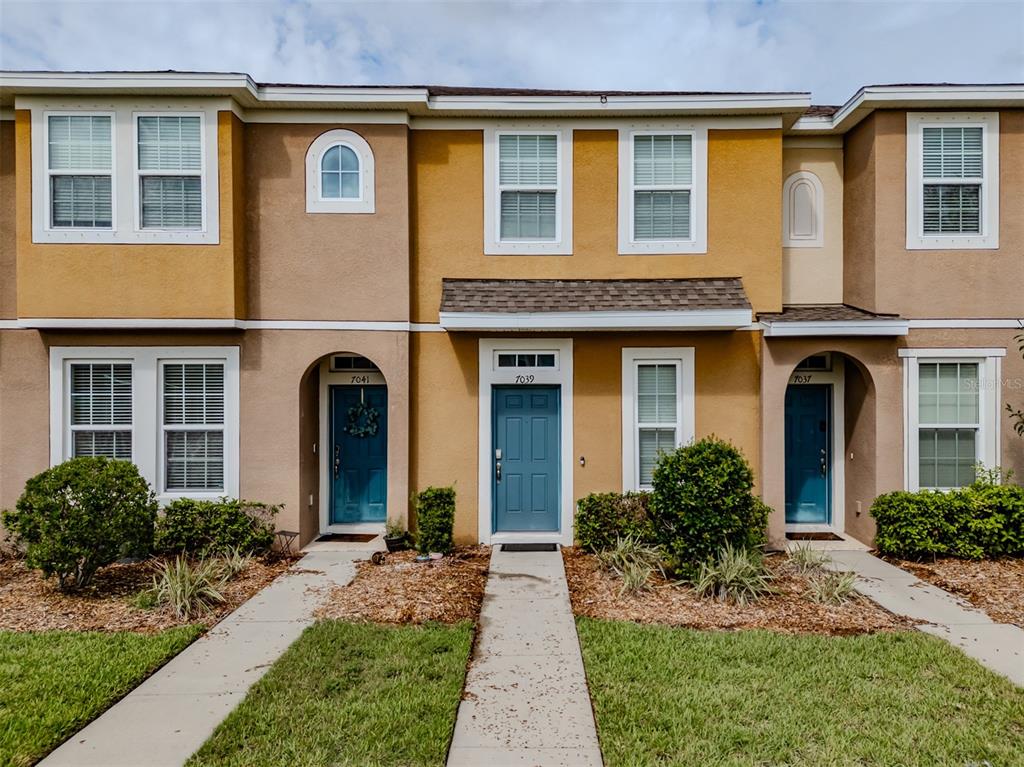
(666, 696)
(53, 683)
(350, 694)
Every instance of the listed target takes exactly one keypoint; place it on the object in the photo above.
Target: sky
(828, 48)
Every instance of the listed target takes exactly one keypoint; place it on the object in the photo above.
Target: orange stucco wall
(8, 251)
(744, 211)
(881, 274)
(159, 281)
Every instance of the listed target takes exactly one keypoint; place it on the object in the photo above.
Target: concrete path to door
(526, 702)
(998, 646)
(164, 720)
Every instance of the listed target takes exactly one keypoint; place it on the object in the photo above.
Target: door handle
(497, 471)
(337, 460)
(824, 467)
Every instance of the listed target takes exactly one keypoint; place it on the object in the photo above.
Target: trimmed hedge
(603, 518)
(977, 522)
(203, 528)
(435, 519)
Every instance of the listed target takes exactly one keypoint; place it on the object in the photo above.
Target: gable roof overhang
(582, 305)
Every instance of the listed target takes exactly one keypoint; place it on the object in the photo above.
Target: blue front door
(525, 458)
(359, 454)
(808, 454)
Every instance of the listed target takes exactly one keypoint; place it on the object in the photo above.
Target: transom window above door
(514, 359)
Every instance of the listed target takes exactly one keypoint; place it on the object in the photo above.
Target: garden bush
(604, 518)
(975, 522)
(435, 519)
(82, 515)
(703, 502)
(209, 528)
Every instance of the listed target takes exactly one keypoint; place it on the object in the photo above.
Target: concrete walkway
(998, 646)
(164, 720)
(526, 701)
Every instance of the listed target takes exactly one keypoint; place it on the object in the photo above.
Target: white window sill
(139, 237)
(501, 248)
(662, 248)
(954, 242)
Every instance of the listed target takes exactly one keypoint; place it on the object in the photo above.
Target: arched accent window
(339, 174)
(803, 211)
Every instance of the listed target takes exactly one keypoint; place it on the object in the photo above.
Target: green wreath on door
(363, 420)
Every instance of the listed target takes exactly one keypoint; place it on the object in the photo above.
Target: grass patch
(669, 696)
(53, 683)
(355, 694)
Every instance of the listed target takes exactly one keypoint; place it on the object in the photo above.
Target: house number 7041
(361, 379)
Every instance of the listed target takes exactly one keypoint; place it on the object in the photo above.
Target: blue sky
(829, 48)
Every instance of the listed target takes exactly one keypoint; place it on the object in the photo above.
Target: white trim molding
(491, 375)
(989, 362)
(148, 450)
(698, 240)
(968, 324)
(894, 327)
(790, 237)
(988, 237)
(126, 224)
(494, 245)
(315, 202)
(685, 423)
(696, 319)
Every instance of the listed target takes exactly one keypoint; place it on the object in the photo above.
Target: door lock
(337, 460)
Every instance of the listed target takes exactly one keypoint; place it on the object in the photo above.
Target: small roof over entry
(831, 320)
(570, 305)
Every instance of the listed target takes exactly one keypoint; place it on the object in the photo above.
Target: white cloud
(829, 48)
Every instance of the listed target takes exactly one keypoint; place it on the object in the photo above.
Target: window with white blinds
(79, 161)
(657, 415)
(100, 407)
(953, 172)
(662, 186)
(528, 191)
(949, 422)
(193, 426)
(170, 171)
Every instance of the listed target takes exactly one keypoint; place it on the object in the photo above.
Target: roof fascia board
(705, 319)
(834, 328)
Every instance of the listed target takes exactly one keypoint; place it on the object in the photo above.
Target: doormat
(347, 538)
(524, 547)
(813, 537)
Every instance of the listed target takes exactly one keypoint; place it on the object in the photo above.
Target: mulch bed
(402, 590)
(994, 586)
(30, 602)
(595, 594)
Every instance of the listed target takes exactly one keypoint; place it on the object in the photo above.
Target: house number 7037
(524, 379)
(802, 379)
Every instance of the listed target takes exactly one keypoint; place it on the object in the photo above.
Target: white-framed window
(526, 358)
(952, 180)
(662, 190)
(340, 174)
(803, 211)
(657, 409)
(115, 173)
(951, 415)
(528, 191)
(169, 175)
(79, 170)
(173, 411)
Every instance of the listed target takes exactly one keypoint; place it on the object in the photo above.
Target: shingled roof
(823, 313)
(539, 296)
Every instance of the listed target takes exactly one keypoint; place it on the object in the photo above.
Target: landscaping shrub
(702, 501)
(805, 559)
(435, 518)
(604, 518)
(831, 588)
(204, 528)
(633, 561)
(190, 589)
(975, 522)
(82, 515)
(737, 576)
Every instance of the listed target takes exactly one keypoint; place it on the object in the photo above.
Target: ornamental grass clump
(804, 559)
(633, 561)
(736, 576)
(190, 589)
(831, 588)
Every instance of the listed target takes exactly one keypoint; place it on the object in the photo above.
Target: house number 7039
(524, 379)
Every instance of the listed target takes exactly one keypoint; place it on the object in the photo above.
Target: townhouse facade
(331, 297)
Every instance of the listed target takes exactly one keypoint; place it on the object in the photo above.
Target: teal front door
(359, 454)
(526, 458)
(808, 454)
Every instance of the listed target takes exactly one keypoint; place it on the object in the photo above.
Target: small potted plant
(395, 536)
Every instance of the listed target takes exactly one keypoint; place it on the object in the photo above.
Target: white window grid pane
(194, 460)
(171, 202)
(951, 208)
(528, 215)
(663, 215)
(193, 394)
(339, 174)
(663, 160)
(79, 143)
(528, 187)
(528, 160)
(948, 395)
(80, 202)
(947, 457)
(108, 444)
(950, 152)
(662, 180)
(100, 394)
(192, 403)
(651, 444)
(656, 394)
(170, 143)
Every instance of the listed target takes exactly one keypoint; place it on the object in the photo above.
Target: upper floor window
(527, 192)
(952, 180)
(662, 191)
(803, 213)
(339, 174)
(117, 174)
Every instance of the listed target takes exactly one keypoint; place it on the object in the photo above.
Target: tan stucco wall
(444, 411)
(102, 280)
(279, 415)
(927, 283)
(744, 211)
(325, 266)
(8, 251)
(815, 275)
